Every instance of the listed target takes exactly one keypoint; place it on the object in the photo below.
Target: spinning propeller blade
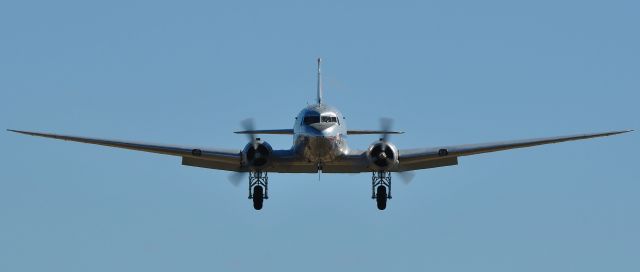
(407, 176)
(249, 125)
(235, 178)
(386, 124)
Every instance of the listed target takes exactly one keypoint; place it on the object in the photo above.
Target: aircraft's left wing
(193, 156)
(414, 159)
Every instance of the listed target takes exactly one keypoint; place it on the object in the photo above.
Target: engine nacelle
(256, 155)
(382, 155)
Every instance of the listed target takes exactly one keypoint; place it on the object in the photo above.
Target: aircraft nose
(323, 131)
(321, 126)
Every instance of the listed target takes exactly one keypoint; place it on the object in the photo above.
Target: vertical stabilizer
(319, 82)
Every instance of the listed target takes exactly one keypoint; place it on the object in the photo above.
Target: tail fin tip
(319, 94)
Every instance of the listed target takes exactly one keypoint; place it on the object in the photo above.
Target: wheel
(258, 197)
(381, 197)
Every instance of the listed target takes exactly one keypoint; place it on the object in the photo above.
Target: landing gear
(258, 197)
(381, 188)
(381, 197)
(258, 188)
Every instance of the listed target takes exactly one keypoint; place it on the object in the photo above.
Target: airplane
(319, 146)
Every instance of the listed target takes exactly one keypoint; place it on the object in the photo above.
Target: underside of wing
(216, 158)
(413, 159)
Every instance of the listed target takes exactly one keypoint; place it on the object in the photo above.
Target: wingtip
(620, 131)
(25, 132)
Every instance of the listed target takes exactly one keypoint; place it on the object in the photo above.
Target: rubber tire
(258, 197)
(381, 197)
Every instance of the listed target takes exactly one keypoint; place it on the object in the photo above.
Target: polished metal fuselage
(320, 142)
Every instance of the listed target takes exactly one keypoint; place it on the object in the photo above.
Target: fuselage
(319, 134)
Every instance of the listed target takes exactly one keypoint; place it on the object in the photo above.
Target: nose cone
(322, 126)
(323, 129)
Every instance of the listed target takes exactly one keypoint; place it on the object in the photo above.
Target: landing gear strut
(258, 188)
(381, 188)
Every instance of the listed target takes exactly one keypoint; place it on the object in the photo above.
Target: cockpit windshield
(313, 119)
(329, 119)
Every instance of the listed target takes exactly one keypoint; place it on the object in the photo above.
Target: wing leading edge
(266, 131)
(414, 159)
(410, 159)
(219, 158)
(366, 132)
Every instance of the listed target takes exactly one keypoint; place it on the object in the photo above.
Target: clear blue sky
(449, 72)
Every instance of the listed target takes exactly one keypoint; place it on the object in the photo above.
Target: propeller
(249, 125)
(235, 178)
(386, 124)
(381, 155)
(407, 176)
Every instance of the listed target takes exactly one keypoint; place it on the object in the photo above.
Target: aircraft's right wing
(421, 158)
(368, 131)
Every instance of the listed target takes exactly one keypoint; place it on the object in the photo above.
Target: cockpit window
(311, 119)
(329, 119)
